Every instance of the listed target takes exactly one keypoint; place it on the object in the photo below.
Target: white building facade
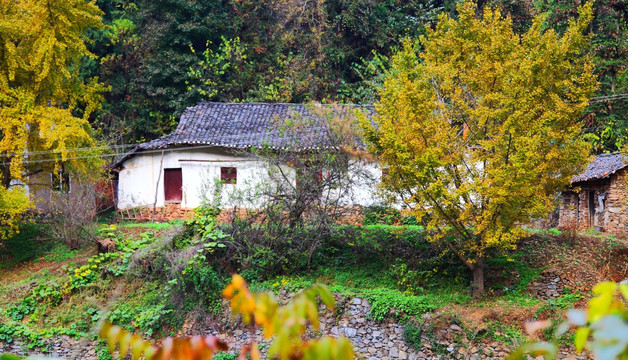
(216, 142)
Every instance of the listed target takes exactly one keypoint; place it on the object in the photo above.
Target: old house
(598, 197)
(215, 141)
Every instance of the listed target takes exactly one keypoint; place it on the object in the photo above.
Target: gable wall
(612, 217)
(142, 177)
(140, 180)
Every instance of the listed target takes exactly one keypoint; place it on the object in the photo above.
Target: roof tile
(603, 166)
(251, 125)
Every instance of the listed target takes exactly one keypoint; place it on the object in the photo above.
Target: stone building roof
(251, 125)
(603, 166)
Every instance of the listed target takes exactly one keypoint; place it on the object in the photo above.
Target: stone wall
(616, 210)
(575, 213)
(440, 338)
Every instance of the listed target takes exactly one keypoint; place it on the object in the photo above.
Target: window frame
(61, 182)
(229, 175)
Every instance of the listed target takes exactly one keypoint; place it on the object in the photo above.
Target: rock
(357, 301)
(350, 332)
(455, 327)
(394, 352)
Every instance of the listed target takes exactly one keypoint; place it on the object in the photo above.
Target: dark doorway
(173, 182)
(591, 196)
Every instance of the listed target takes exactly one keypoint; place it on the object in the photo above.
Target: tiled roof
(603, 166)
(251, 125)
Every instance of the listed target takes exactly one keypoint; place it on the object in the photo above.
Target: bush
(380, 214)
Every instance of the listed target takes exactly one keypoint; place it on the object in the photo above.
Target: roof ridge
(275, 103)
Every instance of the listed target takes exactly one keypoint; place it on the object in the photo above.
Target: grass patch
(153, 226)
(24, 245)
(60, 253)
(377, 286)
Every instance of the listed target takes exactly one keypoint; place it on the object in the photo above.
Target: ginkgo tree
(482, 126)
(44, 103)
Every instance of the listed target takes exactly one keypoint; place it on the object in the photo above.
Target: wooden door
(173, 182)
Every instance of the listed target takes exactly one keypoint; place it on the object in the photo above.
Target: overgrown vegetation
(295, 51)
(162, 274)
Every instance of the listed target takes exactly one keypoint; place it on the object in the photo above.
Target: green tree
(483, 126)
(44, 106)
(606, 119)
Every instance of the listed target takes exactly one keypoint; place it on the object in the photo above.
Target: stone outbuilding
(597, 198)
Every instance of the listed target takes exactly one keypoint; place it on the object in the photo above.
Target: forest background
(161, 56)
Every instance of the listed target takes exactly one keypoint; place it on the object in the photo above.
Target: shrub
(380, 214)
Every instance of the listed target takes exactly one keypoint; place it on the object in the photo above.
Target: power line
(60, 151)
(606, 98)
(593, 100)
(27, 161)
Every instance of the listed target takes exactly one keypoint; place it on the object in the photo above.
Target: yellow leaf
(580, 339)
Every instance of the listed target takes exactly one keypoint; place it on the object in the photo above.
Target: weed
(102, 351)
(412, 335)
(25, 307)
(387, 302)
(503, 333)
(224, 356)
(60, 253)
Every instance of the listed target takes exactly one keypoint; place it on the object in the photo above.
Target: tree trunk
(478, 279)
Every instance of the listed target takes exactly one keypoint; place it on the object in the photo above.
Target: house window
(229, 175)
(173, 185)
(61, 181)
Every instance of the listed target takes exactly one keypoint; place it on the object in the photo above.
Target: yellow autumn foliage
(482, 126)
(44, 105)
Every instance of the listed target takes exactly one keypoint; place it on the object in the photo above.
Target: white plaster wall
(200, 169)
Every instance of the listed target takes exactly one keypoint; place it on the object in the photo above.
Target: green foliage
(512, 264)
(412, 335)
(205, 227)
(47, 294)
(102, 353)
(296, 52)
(60, 253)
(148, 310)
(380, 214)
(200, 282)
(12, 330)
(24, 245)
(392, 303)
(508, 335)
(408, 280)
(221, 355)
(25, 307)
